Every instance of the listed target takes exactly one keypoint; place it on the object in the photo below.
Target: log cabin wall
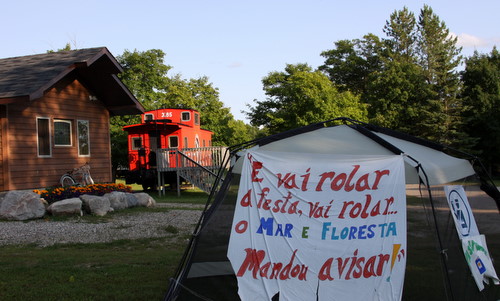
(68, 100)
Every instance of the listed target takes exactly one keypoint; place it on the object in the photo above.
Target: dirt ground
(484, 208)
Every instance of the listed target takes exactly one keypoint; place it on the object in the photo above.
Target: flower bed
(55, 194)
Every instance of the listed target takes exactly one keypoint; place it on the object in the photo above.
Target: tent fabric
(344, 140)
(204, 272)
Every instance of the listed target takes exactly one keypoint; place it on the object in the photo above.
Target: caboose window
(196, 118)
(186, 116)
(136, 143)
(148, 117)
(173, 141)
(186, 142)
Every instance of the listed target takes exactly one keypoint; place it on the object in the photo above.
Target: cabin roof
(29, 77)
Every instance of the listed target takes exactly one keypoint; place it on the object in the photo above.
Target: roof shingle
(33, 75)
(24, 75)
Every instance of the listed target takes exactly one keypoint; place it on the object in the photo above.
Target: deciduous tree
(299, 96)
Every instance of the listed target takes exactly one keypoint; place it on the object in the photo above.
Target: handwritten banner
(308, 227)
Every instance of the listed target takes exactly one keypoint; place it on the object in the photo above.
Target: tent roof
(347, 141)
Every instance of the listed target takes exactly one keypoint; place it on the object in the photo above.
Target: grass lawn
(121, 270)
(141, 269)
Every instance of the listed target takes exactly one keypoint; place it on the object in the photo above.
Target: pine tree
(396, 90)
(439, 57)
(481, 95)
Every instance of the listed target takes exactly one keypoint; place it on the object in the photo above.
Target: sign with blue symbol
(461, 211)
(473, 243)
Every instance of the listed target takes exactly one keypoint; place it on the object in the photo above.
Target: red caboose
(162, 129)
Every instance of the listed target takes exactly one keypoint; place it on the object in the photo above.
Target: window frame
(78, 122)
(146, 119)
(170, 141)
(49, 137)
(197, 118)
(67, 121)
(182, 116)
(132, 143)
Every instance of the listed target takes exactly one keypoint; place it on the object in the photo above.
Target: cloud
(235, 65)
(467, 40)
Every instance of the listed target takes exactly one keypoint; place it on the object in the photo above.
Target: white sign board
(312, 227)
(461, 211)
(473, 244)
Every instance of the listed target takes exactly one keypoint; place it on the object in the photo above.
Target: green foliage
(481, 95)
(300, 96)
(439, 57)
(395, 96)
(351, 62)
(409, 79)
(401, 36)
(66, 48)
(146, 75)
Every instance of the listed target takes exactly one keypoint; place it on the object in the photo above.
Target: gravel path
(76, 230)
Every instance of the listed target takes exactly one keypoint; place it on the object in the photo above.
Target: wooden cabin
(54, 115)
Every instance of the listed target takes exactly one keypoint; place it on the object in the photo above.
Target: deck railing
(197, 165)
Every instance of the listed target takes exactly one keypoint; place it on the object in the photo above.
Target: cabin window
(83, 137)
(196, 119)
(173, 141)
(204, 145)
(186, 142)
(136, 143)
(43, 133)
(186, 116)
(62, 132)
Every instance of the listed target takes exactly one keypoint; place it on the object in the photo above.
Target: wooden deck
(198, 165)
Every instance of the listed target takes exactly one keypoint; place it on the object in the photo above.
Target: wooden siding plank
(68, 100)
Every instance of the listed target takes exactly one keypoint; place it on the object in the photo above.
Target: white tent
(344, 140)
(205, 272)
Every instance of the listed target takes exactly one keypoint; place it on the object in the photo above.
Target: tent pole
(442, 252)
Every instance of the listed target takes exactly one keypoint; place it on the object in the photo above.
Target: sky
(234, 43)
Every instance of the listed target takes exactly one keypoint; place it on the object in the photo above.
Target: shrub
(55, 194)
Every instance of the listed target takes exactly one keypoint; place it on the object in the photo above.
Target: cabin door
(153, 146)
